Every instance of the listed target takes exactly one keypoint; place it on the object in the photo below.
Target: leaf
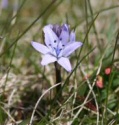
(3, 116)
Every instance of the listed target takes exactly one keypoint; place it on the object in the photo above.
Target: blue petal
(40, 47)
(65, 63)
(72, 36)
(51, 38)
(70, 48)
(64, 36)
(48, 59)
(65, 27)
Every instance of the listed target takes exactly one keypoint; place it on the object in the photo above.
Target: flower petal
(64, 36)
(48, 59)
(40, 47)
(65, 27)
(51, 38)
(57, 29)
(70, 48)
(72, 36)
(65, 63)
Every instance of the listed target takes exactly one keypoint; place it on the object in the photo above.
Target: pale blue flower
(59, 44)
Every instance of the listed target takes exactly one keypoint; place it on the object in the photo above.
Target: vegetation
(28, 94)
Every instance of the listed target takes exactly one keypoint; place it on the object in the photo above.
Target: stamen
(60, 38)
(55, 41)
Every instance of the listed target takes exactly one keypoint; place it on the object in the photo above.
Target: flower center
(56, 48)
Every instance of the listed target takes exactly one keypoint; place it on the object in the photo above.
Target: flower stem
(58, 79)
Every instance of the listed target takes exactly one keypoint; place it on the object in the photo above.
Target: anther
(55, 41)
(60, 38)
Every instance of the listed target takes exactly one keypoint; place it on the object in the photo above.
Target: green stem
(58, 79)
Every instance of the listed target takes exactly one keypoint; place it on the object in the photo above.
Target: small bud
(107, 71)
(99, 82)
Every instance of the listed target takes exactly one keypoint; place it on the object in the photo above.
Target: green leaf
(3, 116)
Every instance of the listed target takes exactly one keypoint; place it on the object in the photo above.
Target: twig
(88, 82)
(31, 120)
(9, 115)
(82, 106)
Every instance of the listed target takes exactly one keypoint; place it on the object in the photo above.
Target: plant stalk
(58, 79)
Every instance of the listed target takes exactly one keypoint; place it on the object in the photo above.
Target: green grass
(27, 90)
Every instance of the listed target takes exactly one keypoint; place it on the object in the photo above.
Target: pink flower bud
(107, 71)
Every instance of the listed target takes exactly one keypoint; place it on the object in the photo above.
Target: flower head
(59, 44)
